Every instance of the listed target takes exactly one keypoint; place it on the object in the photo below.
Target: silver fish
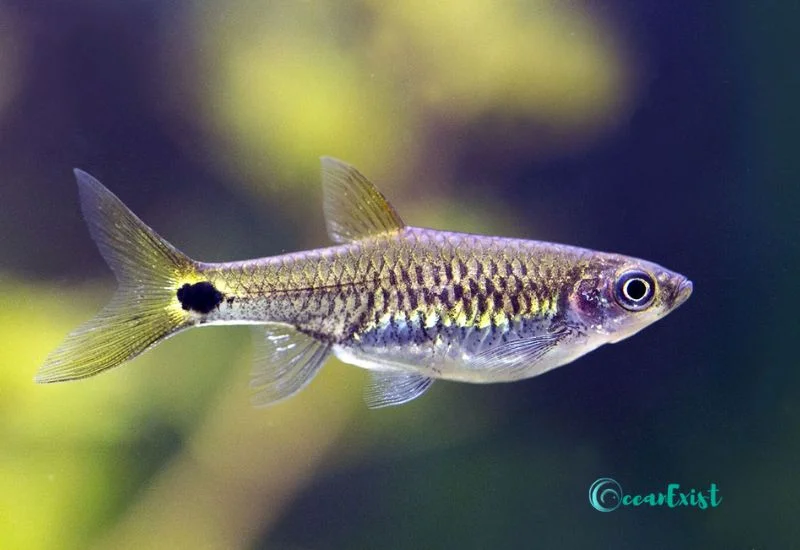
(409, 304)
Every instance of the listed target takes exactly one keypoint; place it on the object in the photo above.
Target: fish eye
(634, 290)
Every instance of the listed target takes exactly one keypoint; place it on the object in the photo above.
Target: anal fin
(286, 361)
(388, 388)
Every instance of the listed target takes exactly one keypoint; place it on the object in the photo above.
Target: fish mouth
(682, 293)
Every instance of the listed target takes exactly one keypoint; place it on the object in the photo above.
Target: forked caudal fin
(145, 308)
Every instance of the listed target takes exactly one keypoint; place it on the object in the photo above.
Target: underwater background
(663, 130)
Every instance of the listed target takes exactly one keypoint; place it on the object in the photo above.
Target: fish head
(617, 296)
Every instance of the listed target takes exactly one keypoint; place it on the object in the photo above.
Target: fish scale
(409, 304)
(471, 292)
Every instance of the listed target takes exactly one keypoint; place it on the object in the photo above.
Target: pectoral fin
(388, 388)
(353, 206)
(286, 361)
(519, 356)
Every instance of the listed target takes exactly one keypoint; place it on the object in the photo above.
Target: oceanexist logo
(606, 495)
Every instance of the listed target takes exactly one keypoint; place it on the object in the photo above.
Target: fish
(408, 304)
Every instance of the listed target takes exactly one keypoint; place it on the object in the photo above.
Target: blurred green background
(665, 130)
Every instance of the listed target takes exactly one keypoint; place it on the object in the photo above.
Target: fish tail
(144, 310)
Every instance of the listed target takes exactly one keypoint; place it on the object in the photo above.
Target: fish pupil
(201, 297)
(636, 289)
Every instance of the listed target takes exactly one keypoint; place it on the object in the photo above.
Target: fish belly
(453, 353)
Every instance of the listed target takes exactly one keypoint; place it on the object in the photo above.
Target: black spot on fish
(473, 287)
(202, 297)
(462, 269)
(490, 288)
(448, 271)
(420, 278)
(469, 308)
(481, 305)
(515, 308)
(392, 278)
(444, 298)
(413, 301)
(502, 283)
(458, 292)
(497, 301)
(360, 322)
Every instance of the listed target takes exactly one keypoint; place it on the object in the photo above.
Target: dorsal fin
(354, 208)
